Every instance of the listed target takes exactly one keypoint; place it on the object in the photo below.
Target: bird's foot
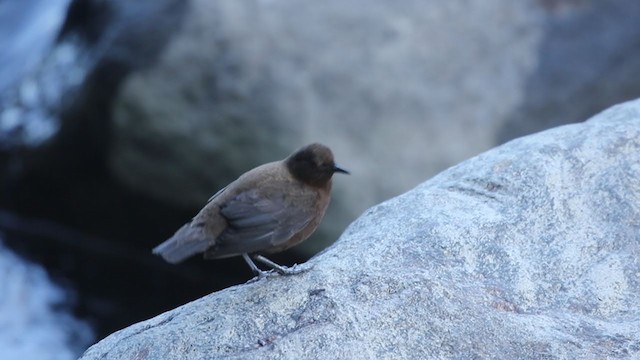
(282, 270)
(275, 268)
(261, 274)
(293, 270)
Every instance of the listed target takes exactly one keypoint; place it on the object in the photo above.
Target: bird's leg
(282, 270)
(261, 274)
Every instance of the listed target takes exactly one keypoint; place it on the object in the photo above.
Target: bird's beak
(340, 170)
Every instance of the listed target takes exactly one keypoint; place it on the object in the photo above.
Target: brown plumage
(266, 210)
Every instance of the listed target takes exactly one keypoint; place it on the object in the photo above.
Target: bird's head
(313, 164)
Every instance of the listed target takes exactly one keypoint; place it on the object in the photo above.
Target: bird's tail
(187, 241)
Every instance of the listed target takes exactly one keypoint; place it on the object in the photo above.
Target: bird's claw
(279, 271)
(261, 274)
(293, 270)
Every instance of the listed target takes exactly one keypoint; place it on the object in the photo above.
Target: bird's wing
(190, 239)
(187, 241)
(216, 194)
(257, 222)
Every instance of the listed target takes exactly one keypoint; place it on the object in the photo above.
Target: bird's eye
(326, 166)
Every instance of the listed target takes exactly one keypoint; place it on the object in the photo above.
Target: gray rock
(246, 82)
(527, 251)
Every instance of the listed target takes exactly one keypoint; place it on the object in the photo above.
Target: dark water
(59, 205)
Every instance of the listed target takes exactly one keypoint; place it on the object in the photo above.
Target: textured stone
(529, 250)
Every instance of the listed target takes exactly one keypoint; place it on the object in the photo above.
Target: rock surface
(529, 250)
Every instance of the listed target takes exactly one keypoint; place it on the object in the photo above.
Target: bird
(266, 210)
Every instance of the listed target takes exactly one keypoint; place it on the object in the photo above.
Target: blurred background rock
(118, 119)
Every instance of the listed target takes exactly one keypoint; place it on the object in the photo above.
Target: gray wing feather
(187, 241)
(216, 194)
(256, 223)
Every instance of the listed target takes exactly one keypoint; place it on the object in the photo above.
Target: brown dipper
(266, 210)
